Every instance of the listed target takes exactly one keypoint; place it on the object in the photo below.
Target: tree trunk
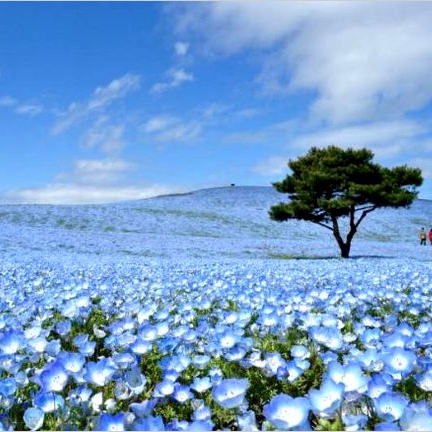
(344, 246)
(345, 250)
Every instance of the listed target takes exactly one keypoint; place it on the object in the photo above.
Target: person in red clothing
(430, 236)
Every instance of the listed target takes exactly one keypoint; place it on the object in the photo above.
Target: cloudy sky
(104, 102)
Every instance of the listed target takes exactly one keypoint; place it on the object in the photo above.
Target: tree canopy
(329, 183)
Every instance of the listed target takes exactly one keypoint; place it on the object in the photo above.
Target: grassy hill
(230, 222)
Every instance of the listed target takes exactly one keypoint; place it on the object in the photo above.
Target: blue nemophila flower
(328, 398)
(416, 421)
(274, 361)
(101, 372)
(201, 425)
(149, 424)
(390, 406)
(424, 381)
(351, 375)
(72, 362)
(164, 388)
(300, 351)
(387, 426)
(203, 412)
(34, 418)
(399, 361)
(113, 423)
(144, 408)
(8, 387)
(49, 402)
(230, 393)
(87, 349)
(141, 346)
(54, 377)
(247, 421)
(200, 385)
(285, 412)
(376, 386)
(181, 393)
(354, 422)
(135, 380)
(11, 342)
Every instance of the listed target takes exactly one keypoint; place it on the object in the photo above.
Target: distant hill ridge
(222, 222)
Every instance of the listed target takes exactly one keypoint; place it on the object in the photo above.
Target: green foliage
(331, 182)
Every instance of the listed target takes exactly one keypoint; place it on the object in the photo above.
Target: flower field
(130, 342)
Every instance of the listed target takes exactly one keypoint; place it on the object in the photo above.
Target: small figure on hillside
(430, 236)
(422, 236)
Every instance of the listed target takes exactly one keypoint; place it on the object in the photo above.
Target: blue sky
(104, 102)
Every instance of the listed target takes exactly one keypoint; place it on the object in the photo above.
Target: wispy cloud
(8, 101)
(174, 78)
(24, 108)
(274, 165)
(181, 48)
(101, 98)
(105, 135)
(167, 128)
(91, 171)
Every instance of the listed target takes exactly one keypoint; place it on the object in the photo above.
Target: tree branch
(365, 212)
(365, 208)
(323, 225)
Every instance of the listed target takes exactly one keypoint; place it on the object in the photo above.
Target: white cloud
(274, 165)
(175, 77)
(361, 61)
(27, 108)
(30, 109)
(167, 128)
(159, 123)
(181, 48)
(100, 99)
(8, 101)
(386, 139)
(72, 193)
(390, 141)
(105, 135)
(108, 170)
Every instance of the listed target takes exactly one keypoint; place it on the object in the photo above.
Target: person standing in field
(422, 236)
(430, 236)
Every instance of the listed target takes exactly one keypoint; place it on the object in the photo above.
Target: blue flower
(376, 386)
(327, 399)
(11, 342)
(387, 426)
(285, 412)
(390, 406)
(144, 408)
(72, 362)
(164, 388)
(49, 402)
(99, 373)
(149, 424)
(54, 377)
(399, 361)
(247, 421)
(416, 421)
(230, 393)
(135, 380)
(424, 381)
(113, 423)
(200, 385)
(34, 418)
(181, 393)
